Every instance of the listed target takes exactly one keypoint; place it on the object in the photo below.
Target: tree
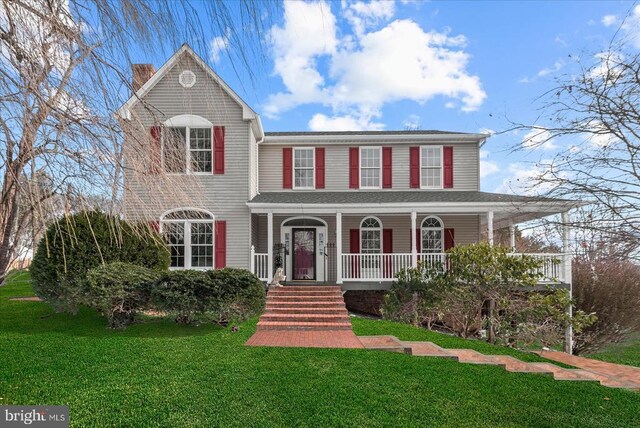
(65, 71)
(595, 109)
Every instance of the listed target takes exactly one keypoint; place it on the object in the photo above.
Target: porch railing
(383, 267)
(260, 265)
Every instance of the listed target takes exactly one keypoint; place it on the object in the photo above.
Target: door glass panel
(304, 253)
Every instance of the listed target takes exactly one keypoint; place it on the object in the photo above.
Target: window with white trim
(432, 235)
(431, 167)
(303, 168)
(370, 236)
(187, 145)
(370, 167)
(189, 235)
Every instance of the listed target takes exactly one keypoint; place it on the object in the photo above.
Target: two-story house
(348, 208)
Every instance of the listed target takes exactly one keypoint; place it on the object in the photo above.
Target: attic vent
(187, 78)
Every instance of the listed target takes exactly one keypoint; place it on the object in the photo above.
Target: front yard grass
(626, 352)
(158, 373)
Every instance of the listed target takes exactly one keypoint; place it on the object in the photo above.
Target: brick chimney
(141, 74)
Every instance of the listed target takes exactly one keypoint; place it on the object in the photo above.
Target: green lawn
(627, 352)
(161, 374)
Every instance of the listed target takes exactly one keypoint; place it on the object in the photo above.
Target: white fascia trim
(248, 114)
(387, 138)
(430, 207)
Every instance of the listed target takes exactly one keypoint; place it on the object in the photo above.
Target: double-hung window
(370, 167)
(189, 235)
(303, 168)
(431, 167)
(187, 145)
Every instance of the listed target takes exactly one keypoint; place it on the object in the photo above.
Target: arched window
(187, 145)
(189, 234)
(371, 236)
(432, 231)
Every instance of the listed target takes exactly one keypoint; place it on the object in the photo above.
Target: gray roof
(420, 132)
(391, 197)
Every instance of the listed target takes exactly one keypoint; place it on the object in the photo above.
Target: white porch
(349, 268)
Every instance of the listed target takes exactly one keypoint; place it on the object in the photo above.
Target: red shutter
(414, 167)
(354, 170)
(387, 248)
(449, 239)
(221, 244)
(154, 225)
(354, 248)
(218, 149)
(448, 167)
(418, 240)
(287, 168)
(319, 167)
(387, 168)
(155, 149)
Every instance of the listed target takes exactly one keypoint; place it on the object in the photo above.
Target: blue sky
(461, 66)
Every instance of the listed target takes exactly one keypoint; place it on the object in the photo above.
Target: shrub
(75, 244)
(242, 295)
(413, 298)
(118, 290)
(221, 295)
(610, 287)
(186, 294)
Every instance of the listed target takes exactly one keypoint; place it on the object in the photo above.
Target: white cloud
(486, 131)
(321, 122)
(399, 61)
(524, 179)
(217, 45)
(631, 27)
(598, 135)
(487, 167)
(362, 16)
(557, 66)
(609, 20)
(412, 122)
(538, 138)
(560, 40)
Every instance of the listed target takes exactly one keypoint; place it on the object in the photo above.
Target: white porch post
(414, 244)
(512, 237)
(270, 245)
(338, 248)
(490, 227)
(566, 250)
(252, 259)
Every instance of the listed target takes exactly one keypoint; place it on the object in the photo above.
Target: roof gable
(247, 112)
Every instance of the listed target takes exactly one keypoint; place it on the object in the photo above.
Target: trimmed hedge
(75, 244)
(118, 290)
(242, 294)
(222, 296)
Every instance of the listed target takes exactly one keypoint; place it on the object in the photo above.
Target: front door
(304, 254)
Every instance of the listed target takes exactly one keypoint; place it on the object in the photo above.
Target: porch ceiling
(507, 208)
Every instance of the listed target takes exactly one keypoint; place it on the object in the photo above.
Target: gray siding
(147, 197)
(466, 229)
(465, 166)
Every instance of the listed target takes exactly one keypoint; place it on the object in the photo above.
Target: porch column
(490, 227)
(512, 237)
(338, 248)
(414, 244)
(566, 255)
(270, 246)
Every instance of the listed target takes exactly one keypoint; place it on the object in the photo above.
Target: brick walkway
(611, 375)
(305, 316)
(616, 375)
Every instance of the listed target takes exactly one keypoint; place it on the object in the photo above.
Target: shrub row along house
(346, 208)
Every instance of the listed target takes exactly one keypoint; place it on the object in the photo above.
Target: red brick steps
(307, 316)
